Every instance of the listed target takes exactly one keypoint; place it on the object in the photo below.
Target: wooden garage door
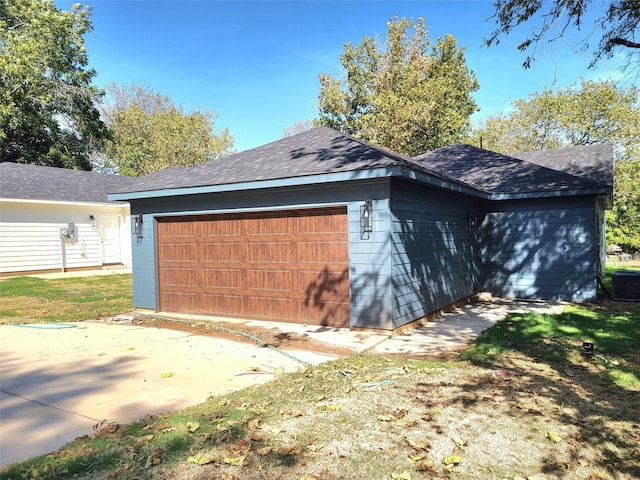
(284, 266)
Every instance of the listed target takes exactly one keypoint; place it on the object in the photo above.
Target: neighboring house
(56, 219)
(324, 229)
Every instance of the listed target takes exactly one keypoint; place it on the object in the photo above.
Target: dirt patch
(238, 332)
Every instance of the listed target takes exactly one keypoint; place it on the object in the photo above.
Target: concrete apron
(56, 384)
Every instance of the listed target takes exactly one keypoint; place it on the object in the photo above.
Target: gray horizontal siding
(433, 250)
(544, 249)
(369, 258)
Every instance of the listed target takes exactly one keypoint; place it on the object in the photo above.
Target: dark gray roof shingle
(324, 151)
(500, 174)
(35, 182)
(593, 162)
(314, 152)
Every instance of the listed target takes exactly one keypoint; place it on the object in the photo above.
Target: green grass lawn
(35, 300)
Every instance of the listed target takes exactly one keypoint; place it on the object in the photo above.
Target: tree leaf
(555, 438)
(201, 459)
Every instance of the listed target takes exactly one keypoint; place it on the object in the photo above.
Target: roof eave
(375, 173)
(551, 194)
(110, 204)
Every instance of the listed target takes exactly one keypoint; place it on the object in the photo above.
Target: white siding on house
(30, 237)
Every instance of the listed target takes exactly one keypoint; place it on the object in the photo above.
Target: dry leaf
(118, 471)
(402, 476)
(236, 461)
(263, 452)
(386, 418)
(306, 476)
(451, 460)
(254, 424)
(417, 445)
(166, 375)
(278, 372)
(553, 437)
(426, 465)
(192, 426)
(143, 440)
(201, 459)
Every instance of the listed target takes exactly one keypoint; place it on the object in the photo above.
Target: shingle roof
(593, 162)
(502, 174)
(314, 152)
(35, 182)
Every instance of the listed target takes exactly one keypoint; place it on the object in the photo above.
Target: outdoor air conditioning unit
(625, 286)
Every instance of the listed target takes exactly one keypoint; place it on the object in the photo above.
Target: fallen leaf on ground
(555, 438)
(143, 440)
(201, 459)
(235, 461)
(417, 445)
(166, 375)
(278, 372)
(192, 426)
(263, 452)
(451, 460)
(402, 476)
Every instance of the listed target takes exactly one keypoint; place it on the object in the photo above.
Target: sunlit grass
(34, 300)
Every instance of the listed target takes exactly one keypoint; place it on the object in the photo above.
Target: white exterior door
(110, 230)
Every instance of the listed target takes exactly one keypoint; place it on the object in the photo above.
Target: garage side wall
(541, 249)
(434, 250)
(369, 257)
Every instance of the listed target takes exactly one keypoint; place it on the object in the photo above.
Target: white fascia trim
(59, 202)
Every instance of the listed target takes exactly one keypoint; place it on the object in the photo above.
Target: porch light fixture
(472, 222)
(366, 220)
(92, 221)
(136, 224)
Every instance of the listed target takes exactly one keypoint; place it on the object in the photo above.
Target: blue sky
(257, 63)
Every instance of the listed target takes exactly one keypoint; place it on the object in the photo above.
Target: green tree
(593, 112)
(617, 25)
(150, 132)
(47, 103)
(405, 94)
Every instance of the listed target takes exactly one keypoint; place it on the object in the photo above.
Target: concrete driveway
(57, 383)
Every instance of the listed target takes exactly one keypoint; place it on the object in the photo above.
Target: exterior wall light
(92, 221)
(472, 222)
(366, 219)
(136, 224)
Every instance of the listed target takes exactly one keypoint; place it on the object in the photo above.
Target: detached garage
(323, 229)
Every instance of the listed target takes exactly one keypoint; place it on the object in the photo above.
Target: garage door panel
(322, 253)
(180, 277)
(268, 226)
(221, 252)
(180, 252)
(280, 280)
(222, 278)
(222, 304)
(323, 225)
(222, 227)
(287, 266)
(334, 313)
(271, 252)
(180, 302)
(270, 308)
(324, 281)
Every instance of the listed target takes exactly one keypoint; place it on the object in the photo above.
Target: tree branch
(624, 43)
